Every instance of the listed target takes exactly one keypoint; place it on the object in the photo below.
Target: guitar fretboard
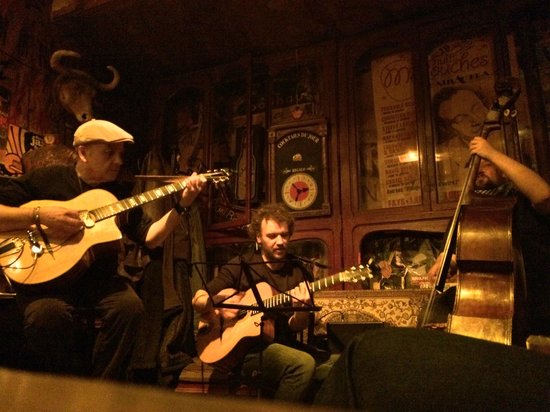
(345, 276)
(113, 209)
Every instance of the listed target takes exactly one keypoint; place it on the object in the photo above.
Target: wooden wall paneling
(312, 90)
(324, 57)
(352, 50)
(529, 34)
(336, 139)
(346, 151)
(328, 232)
(231, 134)
(424, 98)
(163, 93)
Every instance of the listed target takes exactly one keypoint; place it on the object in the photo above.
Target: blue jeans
(285, 373)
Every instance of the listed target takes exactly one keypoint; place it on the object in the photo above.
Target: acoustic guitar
(224, 343)
(29, 259)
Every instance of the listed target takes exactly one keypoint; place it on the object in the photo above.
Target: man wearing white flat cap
(48, 310)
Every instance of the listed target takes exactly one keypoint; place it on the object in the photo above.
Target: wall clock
(299, 191)
(298, 167)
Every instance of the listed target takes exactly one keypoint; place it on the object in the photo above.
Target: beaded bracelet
(36, 216)
(36, 220)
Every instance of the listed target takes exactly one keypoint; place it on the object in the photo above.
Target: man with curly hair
(275, 363)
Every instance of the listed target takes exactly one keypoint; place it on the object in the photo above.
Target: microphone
(312, 262)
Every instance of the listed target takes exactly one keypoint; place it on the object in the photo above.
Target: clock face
(299, 191)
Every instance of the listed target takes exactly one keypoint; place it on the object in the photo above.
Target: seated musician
(501, 175)
(275, 364)
(48, 306)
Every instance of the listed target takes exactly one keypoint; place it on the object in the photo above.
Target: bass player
(500, 175)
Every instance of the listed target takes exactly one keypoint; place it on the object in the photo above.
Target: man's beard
(484, 183)
(487, 187)
(271, 255)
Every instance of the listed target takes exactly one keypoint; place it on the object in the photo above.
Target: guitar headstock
(218, 175)
(355, 274)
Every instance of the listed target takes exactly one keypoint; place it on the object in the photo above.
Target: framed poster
(387, 130)
(462, 78)
(298, 167)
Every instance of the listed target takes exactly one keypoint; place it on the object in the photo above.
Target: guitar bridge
(36, 247)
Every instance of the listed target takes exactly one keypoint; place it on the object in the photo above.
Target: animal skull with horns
(75, 89)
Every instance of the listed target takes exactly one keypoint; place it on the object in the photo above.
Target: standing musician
(501, 175)
(284, 370)
(49, 309)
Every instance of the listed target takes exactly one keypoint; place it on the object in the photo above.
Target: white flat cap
(100, 131)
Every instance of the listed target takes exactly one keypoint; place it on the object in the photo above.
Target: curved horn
(114, 82)
(55, 60)
(55, 63)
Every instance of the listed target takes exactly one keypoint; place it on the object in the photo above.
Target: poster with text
(396, 129)
(462, 79)
(18, 143)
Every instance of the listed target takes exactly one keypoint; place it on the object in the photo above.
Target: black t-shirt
(61, 183)
(233, 275)
(533, 232)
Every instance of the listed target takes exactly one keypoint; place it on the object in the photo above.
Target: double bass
(481, 233)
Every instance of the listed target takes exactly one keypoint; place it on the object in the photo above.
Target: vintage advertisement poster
(19, 142)
(462, 79)
(25, 94)
(396, 130)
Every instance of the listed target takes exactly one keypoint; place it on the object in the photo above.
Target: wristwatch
(181, 209)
